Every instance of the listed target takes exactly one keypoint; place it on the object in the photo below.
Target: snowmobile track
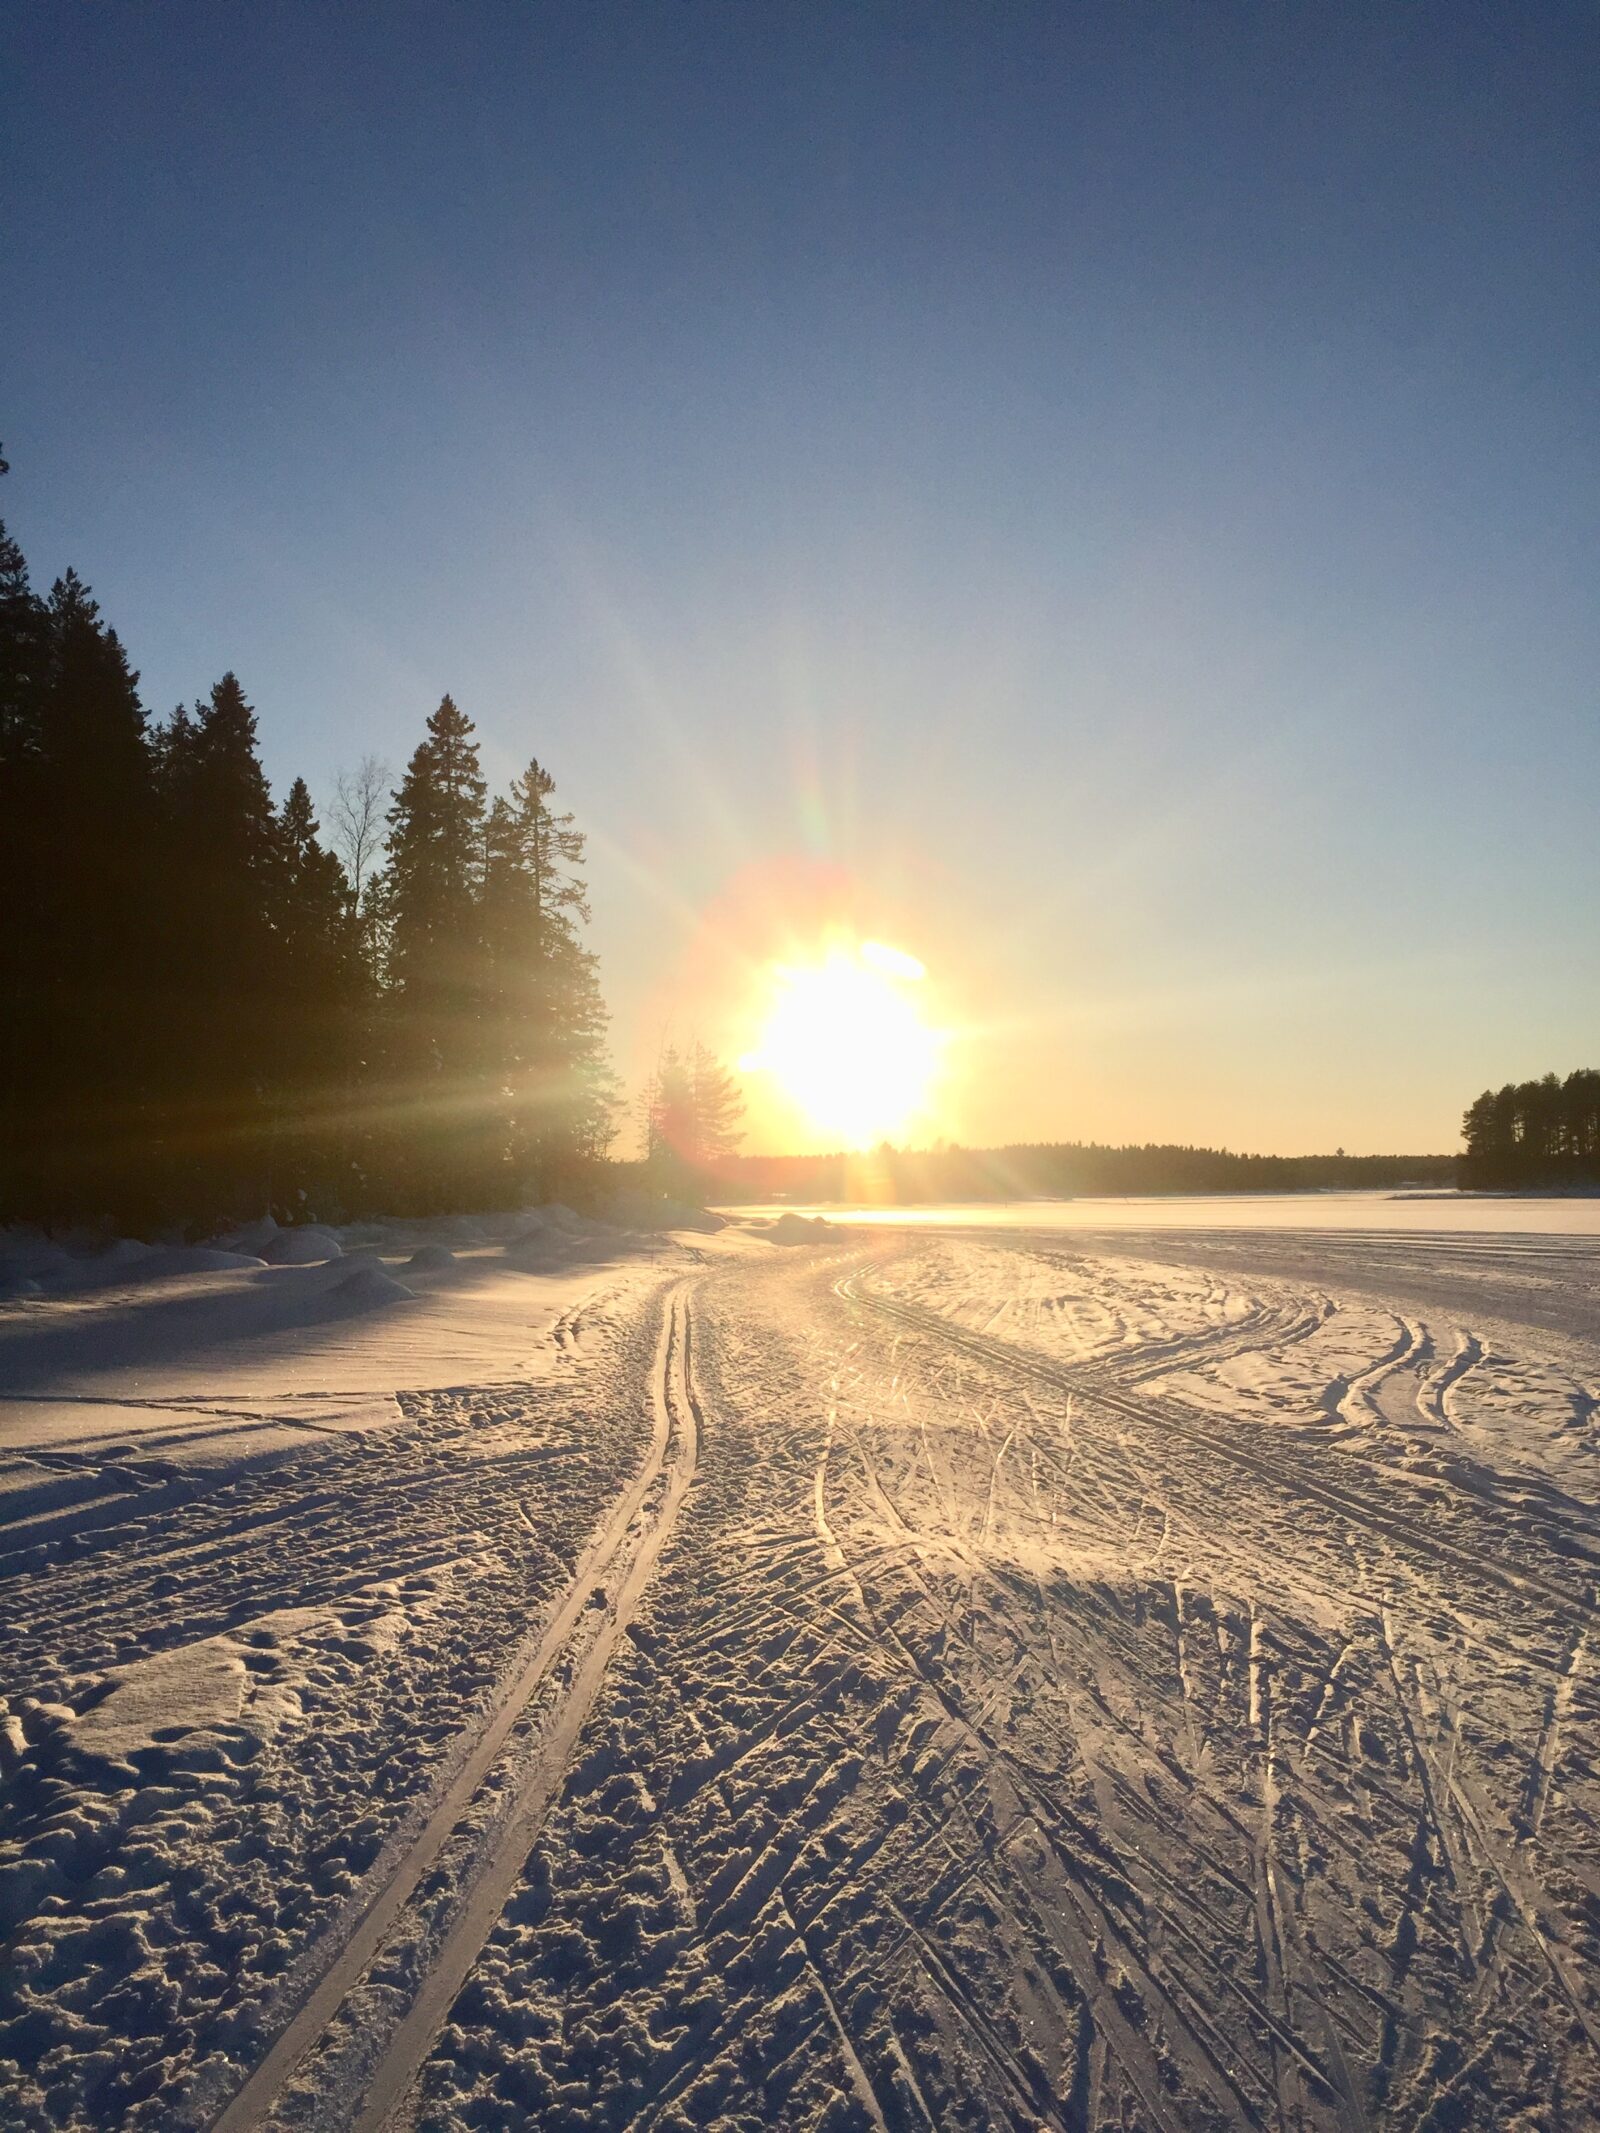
(1168, 1416)
(612, 1573)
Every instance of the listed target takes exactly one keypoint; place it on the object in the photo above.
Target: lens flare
(846, 1041)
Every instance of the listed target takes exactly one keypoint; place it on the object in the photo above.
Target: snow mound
(309, 1246)
(430, 1259)
(557, 1216)
(801, 1229)
(169, 1261)
(546, 1236)
(126, 1261)
(25, 1255)
(107, 1268)
(700, 1218)
(672, 1214)
(251, 1237)
(33, 1267)
(368, 1288)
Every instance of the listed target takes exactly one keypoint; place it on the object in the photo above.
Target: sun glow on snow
(846, 1041)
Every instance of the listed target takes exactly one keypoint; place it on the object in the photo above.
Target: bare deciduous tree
(357, 816)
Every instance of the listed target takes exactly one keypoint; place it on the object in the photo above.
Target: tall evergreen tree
(1534, 1133)
(435, 872)
(432, 893)
(692, 1108)
(24, 854)
(318, 1015)
(547, 1019)
(87, 1011)
(22, 657)
(187, 1019)
(221, 953)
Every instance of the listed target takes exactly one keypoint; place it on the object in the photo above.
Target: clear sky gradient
(1103, 497)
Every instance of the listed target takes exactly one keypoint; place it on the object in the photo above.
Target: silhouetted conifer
(1534, 1133)
(86, 1026)
(692, 1108)
(202, 1018)
(545, 1020)
(221, 955)
(434, 965)
(318, 1018)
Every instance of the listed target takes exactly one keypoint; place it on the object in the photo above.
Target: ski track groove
(998, 1754)
(675, 1417)
(1522, 1584)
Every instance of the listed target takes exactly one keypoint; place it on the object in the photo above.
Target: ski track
(980, 1686)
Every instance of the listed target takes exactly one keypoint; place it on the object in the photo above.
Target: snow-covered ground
(914, 1679)
(1418, 1209)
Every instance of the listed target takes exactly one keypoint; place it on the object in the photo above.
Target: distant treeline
(896, 1177)
(206, 1011)
(1534, 1133)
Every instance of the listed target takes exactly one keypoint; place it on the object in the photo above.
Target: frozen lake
(1484, 1215)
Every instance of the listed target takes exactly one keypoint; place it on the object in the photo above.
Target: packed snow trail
(988, 1754)
(610, 1577)
(1032, 1688)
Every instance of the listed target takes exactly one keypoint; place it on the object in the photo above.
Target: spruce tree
(222, 960)
(22, 658)
(91, 1020)
(432, 893)
(692, 1108)
(551, 1021)
(317, 1016)
(24, 856)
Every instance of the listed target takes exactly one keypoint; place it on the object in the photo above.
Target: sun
(846, 1041)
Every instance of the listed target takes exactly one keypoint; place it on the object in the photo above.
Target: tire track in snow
(676, 1424)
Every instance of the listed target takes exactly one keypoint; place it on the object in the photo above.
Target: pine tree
(431, 895)
(22, 658)
(692, 1108)
(318, 1014)
(435, 871)
(186, 1021)
(87, 1018)
(221, 954)
(24, 856)
(718, 1107)
(549, 1022)
(313, 895)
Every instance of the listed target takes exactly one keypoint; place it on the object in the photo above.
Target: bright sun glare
(845, 1040)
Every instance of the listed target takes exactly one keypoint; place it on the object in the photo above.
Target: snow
(1482, 1214)
(789, 1228)
(1086, 1676)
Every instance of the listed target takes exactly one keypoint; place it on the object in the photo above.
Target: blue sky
(1114, 486)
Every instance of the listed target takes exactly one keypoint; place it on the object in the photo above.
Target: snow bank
(309, 1246)
(368, 1288)
(39, 1267)
(159, 1370)
(791, 1228)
